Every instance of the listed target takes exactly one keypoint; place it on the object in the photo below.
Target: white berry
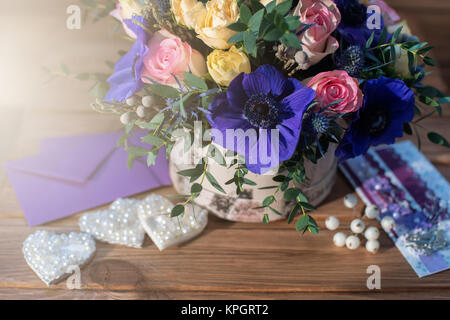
(125, 118)
(350, 201)
(140, 111)
(339, 239)
(131, 101)
(372, 233)
(332, 223)
(147, 101)
(352, 242)
(387, 223)
(371, 212)
(372, 246)
(357, 226)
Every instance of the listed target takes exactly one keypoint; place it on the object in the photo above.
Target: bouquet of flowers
(273, 85)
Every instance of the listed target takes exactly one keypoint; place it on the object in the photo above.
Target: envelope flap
(72, 159)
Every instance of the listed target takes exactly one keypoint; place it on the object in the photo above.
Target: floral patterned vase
(231, 206)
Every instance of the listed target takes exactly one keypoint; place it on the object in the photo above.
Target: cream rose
(130, 8)
(224, 66)
(211, 23)
(187, 12)
(266, 2)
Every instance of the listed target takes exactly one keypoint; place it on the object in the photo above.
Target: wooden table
(229, 260)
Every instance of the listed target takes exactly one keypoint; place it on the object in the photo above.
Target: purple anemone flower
(126, 79)
(257, 103)
(388, 105)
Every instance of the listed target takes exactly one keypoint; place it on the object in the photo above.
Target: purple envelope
(74, 174)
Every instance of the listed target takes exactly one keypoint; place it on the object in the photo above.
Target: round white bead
(371, 212)
(125, 118)
(372, 233)
(357, 226)
(350, 201)
(332, 223)
(131, 101)
(387, 223)
(352, 242)
(372, 246)
(339, 239)
(147, 101)
(140, 111)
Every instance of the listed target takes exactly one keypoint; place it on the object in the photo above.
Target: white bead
(339, 239)
(372, 246)
(140, 111)
(147, 101)
(372, 233)
(352, 242)
(371, 212)
(350, 201)
(125, 118)
(357, 226)
(387, 223)
(332, 223)
(131, 101)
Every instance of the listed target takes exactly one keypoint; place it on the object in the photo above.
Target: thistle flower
(351, 60)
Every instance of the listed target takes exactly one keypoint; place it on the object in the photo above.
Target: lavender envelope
(74, 174)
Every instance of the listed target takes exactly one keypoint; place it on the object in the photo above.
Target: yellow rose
(130, 8)
(211, 25)
(224, 66)
(187, 12)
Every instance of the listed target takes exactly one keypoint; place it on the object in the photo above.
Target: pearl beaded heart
(50, 255)
(165, 231)
(118, 225)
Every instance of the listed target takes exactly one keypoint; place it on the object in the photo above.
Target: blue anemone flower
(262, 101)
(388, 105)
(126, 79)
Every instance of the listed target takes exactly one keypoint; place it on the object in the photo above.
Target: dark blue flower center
(375, 121)
(262, 111)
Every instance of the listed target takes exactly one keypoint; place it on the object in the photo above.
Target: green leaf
(302, 222)
(291, 40)
(370, 40)
(429, 61)
(273, 35)
(293, 22)
(284, 7)
(291, 194)
(255, 21)
(307, 206)
(238, 27)
(249, 182)
(265, 219)
(196, 188)
(164, 91)
(136, 151)
(190, 172)
(151, 158)
(250, 43)
(275, 211)
(268, 201)
(244, 14)
(444, 100)
(214, 182)
(177, 210)
(396, 34)
(153, 140)
(436, 138)
(238, 37)
(293, 213)
(194, 81)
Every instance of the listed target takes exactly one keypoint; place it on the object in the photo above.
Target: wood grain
(229, 260)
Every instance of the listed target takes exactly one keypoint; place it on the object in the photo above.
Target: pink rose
(168, 57)
(337, 85)
(317, 41)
